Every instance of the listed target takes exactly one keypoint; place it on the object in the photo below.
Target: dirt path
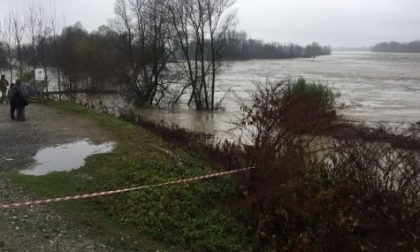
(39, 228)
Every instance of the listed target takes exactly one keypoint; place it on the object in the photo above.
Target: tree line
(396, 47)
(240, 47)
(151, 51)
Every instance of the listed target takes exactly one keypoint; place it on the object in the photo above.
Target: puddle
(65, 157)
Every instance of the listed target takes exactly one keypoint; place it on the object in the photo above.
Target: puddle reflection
(66, 157)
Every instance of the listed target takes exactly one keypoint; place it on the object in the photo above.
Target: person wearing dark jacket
(10, 94)
(20, 101)
(3, 87)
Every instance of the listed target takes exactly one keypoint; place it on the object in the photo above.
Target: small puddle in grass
(65, 157)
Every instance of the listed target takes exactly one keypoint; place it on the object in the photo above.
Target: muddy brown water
(375, 87)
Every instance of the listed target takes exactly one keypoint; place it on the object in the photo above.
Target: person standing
(20, 101)
(3, 87)
(10, 94)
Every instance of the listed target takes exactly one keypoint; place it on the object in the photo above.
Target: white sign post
(39, 74)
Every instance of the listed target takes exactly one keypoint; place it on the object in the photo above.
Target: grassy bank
(192, 216)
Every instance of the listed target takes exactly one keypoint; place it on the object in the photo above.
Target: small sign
(39, 74)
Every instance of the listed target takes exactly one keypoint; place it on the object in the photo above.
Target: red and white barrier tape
(100, 194)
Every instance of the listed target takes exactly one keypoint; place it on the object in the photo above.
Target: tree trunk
(59, 82)
(213, 67)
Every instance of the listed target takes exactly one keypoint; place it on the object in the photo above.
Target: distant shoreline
(396, 47)
(351, 49)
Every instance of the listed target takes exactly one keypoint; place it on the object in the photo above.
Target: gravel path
(39, 228)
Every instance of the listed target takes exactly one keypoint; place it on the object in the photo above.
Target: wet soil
(40, 228)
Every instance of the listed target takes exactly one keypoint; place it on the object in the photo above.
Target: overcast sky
(333, 22)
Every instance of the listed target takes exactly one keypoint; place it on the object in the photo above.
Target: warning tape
(100, 194)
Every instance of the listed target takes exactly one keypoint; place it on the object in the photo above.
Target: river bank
(218, 214)
(176, 215)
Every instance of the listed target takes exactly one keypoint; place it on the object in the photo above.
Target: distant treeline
(240, 47)
(411, 47)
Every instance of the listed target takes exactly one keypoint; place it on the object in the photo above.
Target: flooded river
(378, 87)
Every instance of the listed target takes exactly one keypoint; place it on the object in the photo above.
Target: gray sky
(334, 22)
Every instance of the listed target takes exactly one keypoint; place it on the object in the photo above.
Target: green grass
(193, 216)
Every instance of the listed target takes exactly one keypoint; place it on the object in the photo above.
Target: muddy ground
(39, 228)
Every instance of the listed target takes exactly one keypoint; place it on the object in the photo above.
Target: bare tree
(18, 32)
(124, 26)
(55, 26)
(31, 19)
(144, 27)
(187, 29)
(7, 38)
(45, 30)
(200, 27)
(39, 34)
(218, 28)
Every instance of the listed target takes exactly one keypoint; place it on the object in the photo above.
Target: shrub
(318, 95)
(296, 106)
(316, 193)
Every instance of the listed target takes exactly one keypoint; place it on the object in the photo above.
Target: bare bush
(351, 195)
